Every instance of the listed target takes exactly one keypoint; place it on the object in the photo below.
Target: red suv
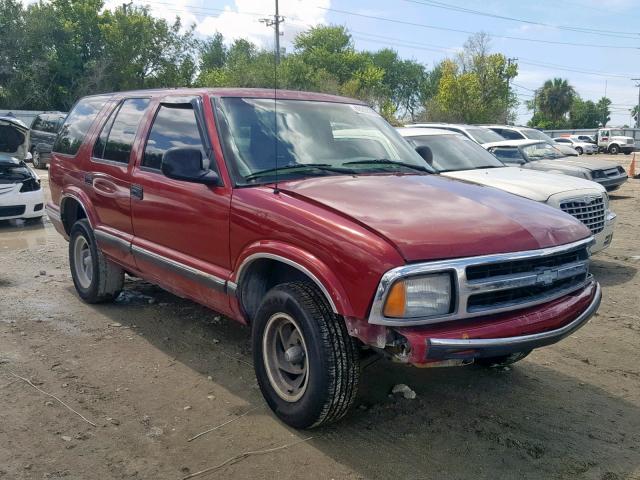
(310, 219)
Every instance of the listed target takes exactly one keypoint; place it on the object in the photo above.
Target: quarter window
(175, 125)
(77, 124)
(118, 134)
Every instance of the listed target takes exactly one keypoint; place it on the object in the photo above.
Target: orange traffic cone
(632, 167)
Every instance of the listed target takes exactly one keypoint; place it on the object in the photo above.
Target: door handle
(136, 191)
(105, 187)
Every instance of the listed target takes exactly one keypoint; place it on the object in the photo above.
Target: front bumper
(629, 147)
(603, 238)
(16, 204)
(502, 334)
(612, 183)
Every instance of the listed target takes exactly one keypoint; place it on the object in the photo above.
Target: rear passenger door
(181, 228)
(108, 180)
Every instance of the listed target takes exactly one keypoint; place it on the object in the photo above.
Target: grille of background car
(590, 213)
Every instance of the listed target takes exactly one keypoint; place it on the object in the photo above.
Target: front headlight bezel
(442, 284)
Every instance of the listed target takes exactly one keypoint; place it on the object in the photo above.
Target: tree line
(55, 52)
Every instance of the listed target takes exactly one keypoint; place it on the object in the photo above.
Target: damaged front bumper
(463, 342)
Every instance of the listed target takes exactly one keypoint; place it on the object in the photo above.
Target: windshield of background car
(534, 134)
(542, 151)
(508, 154)
(617, 133)
(484, 135)
(313, 138)
(455, 152)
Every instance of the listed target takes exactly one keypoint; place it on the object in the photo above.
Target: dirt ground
(152, 370)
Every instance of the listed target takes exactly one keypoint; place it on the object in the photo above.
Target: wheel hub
(294, 354)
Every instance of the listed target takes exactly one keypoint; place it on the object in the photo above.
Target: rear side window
(174, 126)
(511, 134)
(77, 124)
(116, 139)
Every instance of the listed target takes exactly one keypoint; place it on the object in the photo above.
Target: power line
(468, 32)
(592, 31)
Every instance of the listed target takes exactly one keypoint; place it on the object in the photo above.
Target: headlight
(606, 201)
(424, 296)
(597, 174)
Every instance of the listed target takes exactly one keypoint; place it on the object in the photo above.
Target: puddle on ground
(19, 235)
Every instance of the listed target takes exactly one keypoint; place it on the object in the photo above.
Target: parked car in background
(476, 133)
(20, 192)
(253, 207)
(585, 138)
(614, 141)
(578, 145)
(511, 132)
(455, 156)
(539, 155)
(44, 130)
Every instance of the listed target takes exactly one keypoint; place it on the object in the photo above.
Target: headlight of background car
(423, 296)
(597, 174)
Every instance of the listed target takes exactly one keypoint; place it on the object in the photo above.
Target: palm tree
(553, 100)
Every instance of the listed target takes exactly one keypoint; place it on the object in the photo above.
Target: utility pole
(275, 23)
(638, 112)
(506, 110)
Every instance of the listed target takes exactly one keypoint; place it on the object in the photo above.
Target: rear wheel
(96, 278)
(306, 363)
(614, 149)
(37, 159)
(627, 153)
(503, 360)
(579, 150)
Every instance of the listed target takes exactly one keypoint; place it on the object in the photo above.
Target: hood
(14, 137)
(429, 217)
(591, 164)
(532, 184)
(566, 149)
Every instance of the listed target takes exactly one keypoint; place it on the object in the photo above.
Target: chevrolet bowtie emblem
(547, 277)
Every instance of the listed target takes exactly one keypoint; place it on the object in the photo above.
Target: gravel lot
(153, 370)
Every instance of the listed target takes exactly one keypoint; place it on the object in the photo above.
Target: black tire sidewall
(579, 150)
(304, 412)
(82, 228)
(613, 150)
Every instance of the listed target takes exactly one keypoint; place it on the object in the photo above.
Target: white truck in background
(613, 141)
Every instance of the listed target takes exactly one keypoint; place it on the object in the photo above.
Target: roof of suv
(521, 142)
(241, 92)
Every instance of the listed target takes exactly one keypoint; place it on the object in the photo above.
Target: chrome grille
(492, 284)
(630, 140)
(589, 211)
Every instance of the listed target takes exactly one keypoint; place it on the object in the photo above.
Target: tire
(614, 149)
(501, 361)
(579, 150)
(99, 280)
(36, 159)
(330, 357)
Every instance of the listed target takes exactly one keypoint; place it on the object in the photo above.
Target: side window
(509, 155)
(511, 134)
(174, 126)
(37, 123)
(77, 124)
(122, 130)
(98, 147)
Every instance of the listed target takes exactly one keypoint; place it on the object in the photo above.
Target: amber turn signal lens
(396, 301)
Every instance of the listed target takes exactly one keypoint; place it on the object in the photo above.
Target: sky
(595, 44)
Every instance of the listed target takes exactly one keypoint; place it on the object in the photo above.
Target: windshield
(484, 135)
(313, 139)
(617, 133)
(447, 153)
(542, 151)
(534, 134)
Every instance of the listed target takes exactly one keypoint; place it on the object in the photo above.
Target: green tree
(584, 114)
(604, 111)
(213, 53)
(634, 114)
(552, 103)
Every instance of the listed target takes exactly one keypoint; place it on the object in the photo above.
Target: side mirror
(185, 163)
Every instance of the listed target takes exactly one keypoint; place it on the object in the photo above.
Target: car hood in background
(14, 137)
(591, 164)
(566, 149)
(532, 184)
(428, 217)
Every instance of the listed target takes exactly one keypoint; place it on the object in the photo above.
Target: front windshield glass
(617, 133)
(534, 134)
(447, 153)
(313, 139)
(484, 135)
(542, 151)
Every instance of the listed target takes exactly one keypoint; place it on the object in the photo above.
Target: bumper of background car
(612, 183)
(21, 205)
(502, 334)
(603, 238)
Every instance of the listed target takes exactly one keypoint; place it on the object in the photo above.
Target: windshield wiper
(386, 161)
(301, 166)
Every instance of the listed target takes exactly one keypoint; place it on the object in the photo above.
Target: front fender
(304, 261)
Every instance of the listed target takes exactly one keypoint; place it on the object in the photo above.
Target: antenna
(275, 23)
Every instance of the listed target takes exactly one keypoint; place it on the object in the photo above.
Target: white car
(577, 145)
(20, 191)
(476, 133)
(455, 156)
(513, 132)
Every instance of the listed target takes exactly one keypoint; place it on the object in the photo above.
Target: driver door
(181, 229)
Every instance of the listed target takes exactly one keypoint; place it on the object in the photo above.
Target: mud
(152, 370)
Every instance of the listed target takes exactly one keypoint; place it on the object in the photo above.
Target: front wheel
(96, 278)
(306, 364)
(502, 360)
(579, 150)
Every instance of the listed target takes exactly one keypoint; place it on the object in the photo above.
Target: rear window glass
(77, 124)
(117, 136)
(508, 154)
